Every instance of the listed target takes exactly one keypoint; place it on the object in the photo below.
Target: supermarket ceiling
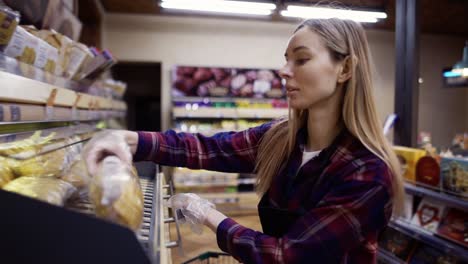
(437, 16)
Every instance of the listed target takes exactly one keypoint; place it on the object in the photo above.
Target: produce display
(226, 82)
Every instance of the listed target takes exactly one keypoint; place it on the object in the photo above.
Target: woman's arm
(351, 213)
(226, 151)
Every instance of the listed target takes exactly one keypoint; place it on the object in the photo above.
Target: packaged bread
(63, 44)
(53, 163)
(26, 147)
(22, 46)
(116, 193)
(48, 189)
(77, 174)
(6, 173)
(50, 164)
(8, 22)
(48, 57)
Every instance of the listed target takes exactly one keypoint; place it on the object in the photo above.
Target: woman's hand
(120, 143)
(196, 211)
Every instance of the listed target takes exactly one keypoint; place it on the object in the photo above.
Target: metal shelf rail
(450, 200)
(439, 243)
(387, 257)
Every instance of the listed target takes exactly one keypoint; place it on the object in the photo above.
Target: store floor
(193, 245)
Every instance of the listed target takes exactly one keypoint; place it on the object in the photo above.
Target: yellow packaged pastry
(8, 23)
(26, 147)
(50, 164)
(6, 173)
(23, 46)
(47, 189)
(77, 174)
(116, 193)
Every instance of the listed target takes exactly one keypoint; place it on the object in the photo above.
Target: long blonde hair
(343, 38)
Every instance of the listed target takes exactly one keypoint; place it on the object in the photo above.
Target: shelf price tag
(49, 110)
(75, 108)
(90, 110)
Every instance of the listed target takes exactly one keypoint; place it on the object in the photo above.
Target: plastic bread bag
(53, 163)
(9, 20)
(47, 189)
(116, 193)
(6, 173)
(78, 176)
(29, 146)
(50, 164)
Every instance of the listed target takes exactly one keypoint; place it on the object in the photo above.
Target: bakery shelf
(387, 257)
(234, 113)
(450, 200)
(61, 137)
(430, 239)
(20, 89)
(15, 113)
(72, 234)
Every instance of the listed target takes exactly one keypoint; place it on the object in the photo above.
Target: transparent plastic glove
(193, 209)
(103, 144)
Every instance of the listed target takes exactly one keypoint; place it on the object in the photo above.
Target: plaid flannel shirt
(344, 194)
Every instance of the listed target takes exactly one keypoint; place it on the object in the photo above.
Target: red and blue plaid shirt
(344, 194)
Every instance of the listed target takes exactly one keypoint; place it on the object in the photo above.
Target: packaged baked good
(62, 43)
(116, 193)
(23, 46)
(77, 174)
(48, 189)
(6, 173)
(26, 147)
(8, 22)
(50, 164)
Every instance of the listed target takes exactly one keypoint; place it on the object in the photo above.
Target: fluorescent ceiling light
(221, 6)
(325, 13)
(461, 71)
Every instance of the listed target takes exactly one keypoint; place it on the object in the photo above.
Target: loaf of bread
(48, 189)
(116, 193)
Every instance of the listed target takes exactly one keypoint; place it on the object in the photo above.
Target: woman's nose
(285, 72)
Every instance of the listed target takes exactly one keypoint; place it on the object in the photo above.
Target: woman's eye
(301, 61)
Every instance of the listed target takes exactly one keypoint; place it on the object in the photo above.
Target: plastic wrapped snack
(6, 174)
(8, 22)
(50, 164)
(77, 175)
(29, 146)
(116, 193)
(47, 189)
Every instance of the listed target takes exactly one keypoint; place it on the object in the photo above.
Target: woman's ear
(347, 69)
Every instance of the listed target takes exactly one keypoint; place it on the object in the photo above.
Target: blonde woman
(328, 177)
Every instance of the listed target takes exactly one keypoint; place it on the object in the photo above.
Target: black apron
(275, 221)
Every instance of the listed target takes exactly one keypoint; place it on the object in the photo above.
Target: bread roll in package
(6, 173)
(116, 193)
(48, 189)
(9, 20)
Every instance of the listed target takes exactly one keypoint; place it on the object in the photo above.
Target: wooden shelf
(19, 89)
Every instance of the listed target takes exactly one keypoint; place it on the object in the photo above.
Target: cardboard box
(454, 226)
(428, 215)
(454, 172)
(408, 158)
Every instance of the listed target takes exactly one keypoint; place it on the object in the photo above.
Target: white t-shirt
(308, 155)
